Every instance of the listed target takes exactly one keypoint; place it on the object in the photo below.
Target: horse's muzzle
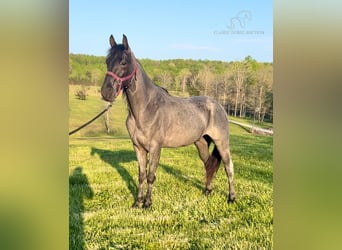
(108, 92)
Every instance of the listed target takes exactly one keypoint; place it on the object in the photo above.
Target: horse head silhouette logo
(240, 20)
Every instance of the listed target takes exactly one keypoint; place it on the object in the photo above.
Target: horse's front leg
(154, 161)
(142, 161)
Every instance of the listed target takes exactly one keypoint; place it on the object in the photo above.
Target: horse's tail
(212, 165)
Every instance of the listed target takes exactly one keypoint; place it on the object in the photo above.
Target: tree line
(244, 88)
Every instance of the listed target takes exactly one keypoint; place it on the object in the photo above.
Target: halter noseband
(120, 80)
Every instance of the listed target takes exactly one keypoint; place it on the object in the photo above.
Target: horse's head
(121, 68)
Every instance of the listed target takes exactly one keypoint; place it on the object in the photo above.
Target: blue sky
(225, 30)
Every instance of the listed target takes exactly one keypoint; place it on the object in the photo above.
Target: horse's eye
(123, 63)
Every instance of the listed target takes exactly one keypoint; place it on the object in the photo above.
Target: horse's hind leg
(202, 146)
(203, 149)
(223, 148)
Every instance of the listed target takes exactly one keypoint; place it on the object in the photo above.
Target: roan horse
(156, 119)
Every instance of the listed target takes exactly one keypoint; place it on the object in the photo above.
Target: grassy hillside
(81, 111)
(103, 184)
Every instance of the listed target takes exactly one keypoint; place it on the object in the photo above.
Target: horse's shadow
(115, 159)
(79, 189)
(182, 177)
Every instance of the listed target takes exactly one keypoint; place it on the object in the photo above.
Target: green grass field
(103, 184)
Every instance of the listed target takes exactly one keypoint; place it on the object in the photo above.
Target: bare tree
(238, 77)
(262, 93)
(194, 87)
(165, 79)
(205, 77)
(96, 74)
(183, 78)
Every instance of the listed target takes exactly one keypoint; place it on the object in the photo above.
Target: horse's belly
(175, 143)
(182, 138)
(184, 131)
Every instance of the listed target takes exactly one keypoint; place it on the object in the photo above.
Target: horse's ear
(125, 42)
(112, 41)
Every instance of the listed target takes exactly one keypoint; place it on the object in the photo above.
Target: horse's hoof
(135, 205)
(147, 204)
(231, 198)
(207, 192)
(231, 201)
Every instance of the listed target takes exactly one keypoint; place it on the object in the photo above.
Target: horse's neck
(139, 95)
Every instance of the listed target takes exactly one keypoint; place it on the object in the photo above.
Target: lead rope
(87, 123)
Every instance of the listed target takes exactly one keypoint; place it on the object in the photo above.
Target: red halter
(120, 80)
